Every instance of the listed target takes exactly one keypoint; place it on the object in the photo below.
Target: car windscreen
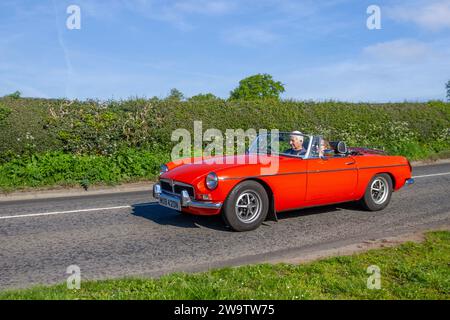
(281, 143)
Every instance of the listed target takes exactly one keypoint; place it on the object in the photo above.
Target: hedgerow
(85, 138)
(58, 168)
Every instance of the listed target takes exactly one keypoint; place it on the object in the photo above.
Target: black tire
(250, 217)
(374, 201)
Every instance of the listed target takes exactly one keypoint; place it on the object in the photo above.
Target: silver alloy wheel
(379, 190)
(248, 206)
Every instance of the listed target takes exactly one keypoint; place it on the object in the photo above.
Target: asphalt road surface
(127, 234)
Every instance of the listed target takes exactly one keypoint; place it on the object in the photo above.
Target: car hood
(223, 166)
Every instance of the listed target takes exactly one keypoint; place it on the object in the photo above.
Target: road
(127, 234)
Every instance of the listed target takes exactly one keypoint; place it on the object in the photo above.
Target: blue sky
(319, 49)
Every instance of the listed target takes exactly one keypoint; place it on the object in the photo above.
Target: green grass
(441, 155)
(409, 271)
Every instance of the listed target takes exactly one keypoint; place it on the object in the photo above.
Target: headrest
(339, 146)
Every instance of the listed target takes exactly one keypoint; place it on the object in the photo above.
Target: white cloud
(378, 74)
(399, 50)
(430, 15)
(206, 7)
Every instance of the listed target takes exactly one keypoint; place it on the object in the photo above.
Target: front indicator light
(163, 168)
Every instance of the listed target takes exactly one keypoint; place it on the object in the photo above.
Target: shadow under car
(165, 216)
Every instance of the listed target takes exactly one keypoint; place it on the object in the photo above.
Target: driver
(296, 143)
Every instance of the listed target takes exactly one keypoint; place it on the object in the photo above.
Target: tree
(14, 95)
(175, 95)
(259, 86)
(204, 97)
(447, 86)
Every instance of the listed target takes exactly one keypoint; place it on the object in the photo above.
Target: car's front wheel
(378, 192)
(246, 207)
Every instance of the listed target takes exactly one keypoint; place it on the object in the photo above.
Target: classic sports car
(246, 192)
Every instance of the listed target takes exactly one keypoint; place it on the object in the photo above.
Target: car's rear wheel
(246, 207)
(378, 192)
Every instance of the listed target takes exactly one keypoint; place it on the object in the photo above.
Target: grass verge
(409, 271)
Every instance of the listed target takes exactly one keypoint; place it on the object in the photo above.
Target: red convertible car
(306, 171)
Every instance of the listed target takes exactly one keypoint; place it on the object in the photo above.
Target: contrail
(64, 49)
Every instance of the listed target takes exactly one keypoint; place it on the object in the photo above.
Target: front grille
(166, 186)
(177, 188)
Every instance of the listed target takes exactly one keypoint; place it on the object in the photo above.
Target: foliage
(447, 86)
(175, 95)
(14, 95)
(4, 113)
(203, 97)
(58, 168)
(410, 271)
(25, 131)
(259, 86)
(83, 129)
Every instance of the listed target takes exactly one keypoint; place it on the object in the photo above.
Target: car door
(331, 179)
(289, 184)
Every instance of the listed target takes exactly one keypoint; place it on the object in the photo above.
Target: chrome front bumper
(184, 199)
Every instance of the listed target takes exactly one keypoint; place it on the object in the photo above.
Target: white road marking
(432, 175)
(61, 212)
(128, 207)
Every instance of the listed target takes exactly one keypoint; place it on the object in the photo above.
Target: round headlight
(212, 181)
(163, 169)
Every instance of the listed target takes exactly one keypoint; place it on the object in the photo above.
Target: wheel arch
(391, 176)
(365, 182)
(271, 215)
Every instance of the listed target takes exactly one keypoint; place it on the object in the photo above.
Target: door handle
(350, 163)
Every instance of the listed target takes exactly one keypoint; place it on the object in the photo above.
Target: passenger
(296, 143)
(324, 145)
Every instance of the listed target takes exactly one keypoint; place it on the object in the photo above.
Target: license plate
(170, 203)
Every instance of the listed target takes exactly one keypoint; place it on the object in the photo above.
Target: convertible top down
(245, 192)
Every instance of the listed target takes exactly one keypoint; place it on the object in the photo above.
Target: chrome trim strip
(205, 205)
(334, 170)
(319, 171)
(385, 166)
(263, 175)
